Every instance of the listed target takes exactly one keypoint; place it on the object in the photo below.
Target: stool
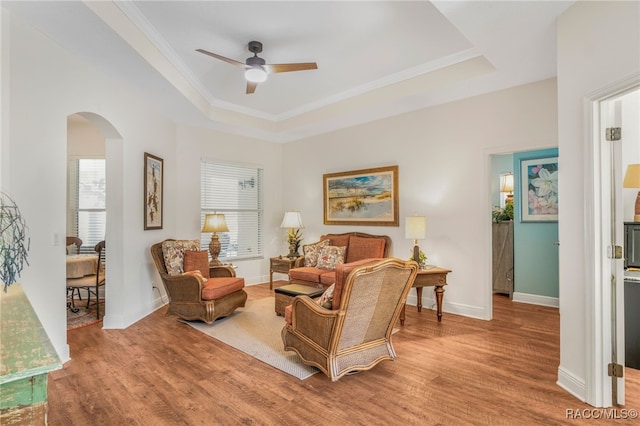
(286, 293)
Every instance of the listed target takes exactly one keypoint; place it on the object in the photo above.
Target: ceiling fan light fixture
(255, 74)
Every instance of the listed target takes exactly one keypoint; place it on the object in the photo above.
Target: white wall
(443, 154)
(598, 45)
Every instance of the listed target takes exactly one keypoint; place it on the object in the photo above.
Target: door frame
(598, 345)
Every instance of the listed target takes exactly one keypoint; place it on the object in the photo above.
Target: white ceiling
(375, 59)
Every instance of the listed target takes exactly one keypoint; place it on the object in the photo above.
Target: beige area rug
(255, 330)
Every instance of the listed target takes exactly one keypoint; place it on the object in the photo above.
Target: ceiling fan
(256, 69)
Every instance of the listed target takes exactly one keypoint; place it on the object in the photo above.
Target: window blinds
(235, 191)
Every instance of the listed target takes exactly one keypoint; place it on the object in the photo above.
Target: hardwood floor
(460, 371)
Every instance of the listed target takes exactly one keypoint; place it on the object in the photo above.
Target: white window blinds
(86, 208)
(236, 192)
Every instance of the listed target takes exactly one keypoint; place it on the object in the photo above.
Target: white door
(615, 157)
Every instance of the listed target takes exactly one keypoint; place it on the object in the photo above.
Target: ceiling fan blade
(275, 68)
(251, 87)
(222, 58)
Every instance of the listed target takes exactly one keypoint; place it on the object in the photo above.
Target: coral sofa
(318, 266)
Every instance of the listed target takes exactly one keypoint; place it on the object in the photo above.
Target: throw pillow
(197, 261)
(173, 252)
(72, 249)
(312, 251)
(198, 276)
(326, 300)
(331, 256)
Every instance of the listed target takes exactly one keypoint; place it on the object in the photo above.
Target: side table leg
(419, 293)
(439, 294)
(402, 314)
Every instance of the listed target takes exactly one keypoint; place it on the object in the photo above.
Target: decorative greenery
(13, 237)
(501, 214)
(422, 258)
(294, 238)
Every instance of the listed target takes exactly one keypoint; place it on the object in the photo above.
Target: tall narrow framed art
(153, 185)
(539, 196)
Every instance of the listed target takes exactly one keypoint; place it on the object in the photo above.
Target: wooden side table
(436, 277)
(280, 264)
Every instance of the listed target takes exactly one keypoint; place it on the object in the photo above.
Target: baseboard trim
(571, 383)
(535, 299)
(451, 308)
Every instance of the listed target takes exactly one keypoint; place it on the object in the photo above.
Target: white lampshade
(415, 227)
(506, 183)
(292, 220)
(632, 176)
(215, 222)
(255, 75)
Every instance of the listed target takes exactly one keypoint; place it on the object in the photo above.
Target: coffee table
(286, 293)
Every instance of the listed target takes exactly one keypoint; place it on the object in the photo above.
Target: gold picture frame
(153, 186)
(367, 197)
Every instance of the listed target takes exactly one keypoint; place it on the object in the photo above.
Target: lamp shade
(292, 220)
(215, 222)
(506, 182)
(632, 176)
(415, 227)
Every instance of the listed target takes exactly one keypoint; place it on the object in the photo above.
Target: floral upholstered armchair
(195, 290)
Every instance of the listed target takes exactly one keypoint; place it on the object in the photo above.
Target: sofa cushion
(306, 273)
(342, 272)
(173, 253)
(197, 261)
(337, 240)
(327, 277)
(365, 248)
(330, 256)
(312, 251)
(326, 300)
(217, 287)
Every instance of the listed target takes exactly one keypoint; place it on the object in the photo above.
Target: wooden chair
(74, 241)
(357, 335)
(193, 299)
(91, 283)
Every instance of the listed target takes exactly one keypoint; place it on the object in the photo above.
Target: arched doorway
(90, 135)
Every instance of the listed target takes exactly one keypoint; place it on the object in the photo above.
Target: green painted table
(26, 357)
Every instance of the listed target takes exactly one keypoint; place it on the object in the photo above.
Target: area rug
(255, 330)
(83, 317)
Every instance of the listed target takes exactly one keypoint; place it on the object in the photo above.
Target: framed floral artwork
(362, 197)
(539, 196)
(153, 183)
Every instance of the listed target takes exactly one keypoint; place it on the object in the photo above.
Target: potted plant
(422, 259)
(501, 214)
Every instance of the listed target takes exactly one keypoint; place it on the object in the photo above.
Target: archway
(111, 151)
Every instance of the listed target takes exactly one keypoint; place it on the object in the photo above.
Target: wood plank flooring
(457, 372)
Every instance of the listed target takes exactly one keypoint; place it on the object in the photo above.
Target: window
(86, 208)
(235, 191)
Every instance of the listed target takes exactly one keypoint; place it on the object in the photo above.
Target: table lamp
(632, 180)
(293, 221)
(506, 185)
(415, 229)
(215, 223)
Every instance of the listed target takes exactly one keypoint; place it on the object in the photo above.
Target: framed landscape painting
(539, 189)
(362, 197)
(153, 172)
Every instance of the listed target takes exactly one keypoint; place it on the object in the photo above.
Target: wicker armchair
(357, 335)
(223, 291)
